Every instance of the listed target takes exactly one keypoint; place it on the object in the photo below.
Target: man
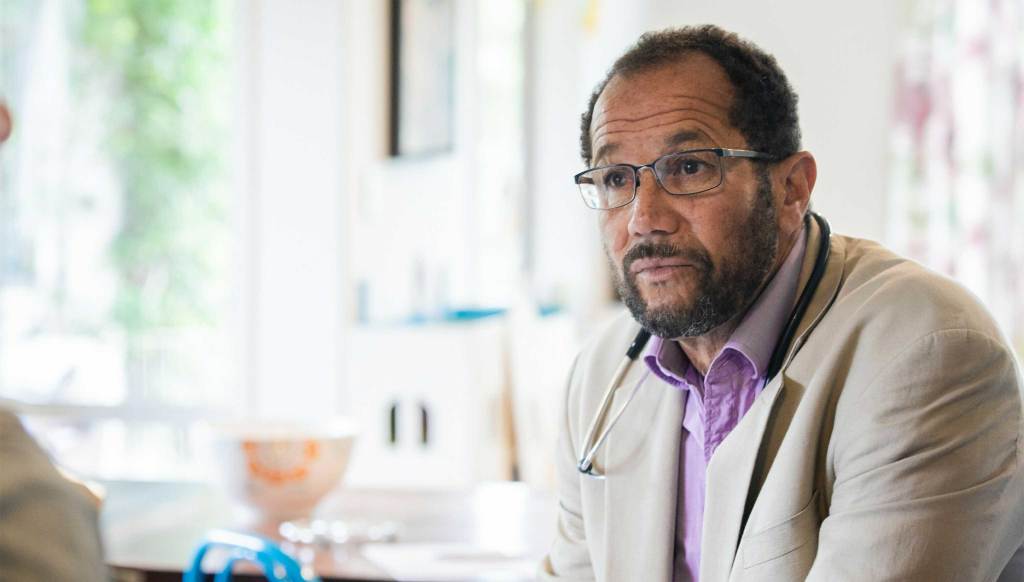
(48, 525)
(888, 444)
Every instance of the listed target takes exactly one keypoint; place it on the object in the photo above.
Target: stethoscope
(594, 441)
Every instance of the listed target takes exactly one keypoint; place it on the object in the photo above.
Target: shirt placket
(722, 386)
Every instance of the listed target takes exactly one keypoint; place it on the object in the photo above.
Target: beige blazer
(888, 448)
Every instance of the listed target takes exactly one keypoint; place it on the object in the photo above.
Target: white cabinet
(432, 403)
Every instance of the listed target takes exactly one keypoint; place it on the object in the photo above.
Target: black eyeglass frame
(720, 152)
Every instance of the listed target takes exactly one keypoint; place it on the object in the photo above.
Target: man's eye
(616, 179)
(691, 166)
(687, 166)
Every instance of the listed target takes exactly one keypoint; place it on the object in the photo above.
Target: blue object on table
(473, 313)
(277, 565)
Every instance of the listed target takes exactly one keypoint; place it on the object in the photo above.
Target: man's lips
(657, 265)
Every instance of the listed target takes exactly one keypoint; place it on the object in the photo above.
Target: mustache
(664, 250)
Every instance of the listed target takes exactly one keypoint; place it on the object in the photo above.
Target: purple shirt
(715, 403)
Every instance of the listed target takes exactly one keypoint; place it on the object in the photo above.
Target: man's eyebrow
(682, 137)
(604, 151)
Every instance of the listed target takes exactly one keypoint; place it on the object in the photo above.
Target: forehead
(679, 103)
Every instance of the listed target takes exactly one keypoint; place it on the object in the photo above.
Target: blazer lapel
(728, 482)
(731, 470)
(641, 464)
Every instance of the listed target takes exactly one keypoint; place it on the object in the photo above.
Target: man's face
(684, 265)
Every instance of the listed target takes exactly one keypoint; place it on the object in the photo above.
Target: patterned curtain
(957, 202)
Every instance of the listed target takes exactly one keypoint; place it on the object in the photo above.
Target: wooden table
(151, 529)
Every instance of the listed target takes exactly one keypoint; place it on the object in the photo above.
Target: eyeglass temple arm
(732, 153)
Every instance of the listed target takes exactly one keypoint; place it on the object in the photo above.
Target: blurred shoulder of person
(49, 525)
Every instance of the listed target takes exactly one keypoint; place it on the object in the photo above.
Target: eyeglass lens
(682, 173)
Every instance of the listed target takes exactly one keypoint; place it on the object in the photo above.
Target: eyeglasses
(681, 173)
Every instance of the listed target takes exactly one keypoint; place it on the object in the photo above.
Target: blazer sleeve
(927, 467)
(569, 557)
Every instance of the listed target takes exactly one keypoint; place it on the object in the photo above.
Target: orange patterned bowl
(282, 470)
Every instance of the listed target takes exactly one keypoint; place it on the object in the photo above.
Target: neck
(702, 350)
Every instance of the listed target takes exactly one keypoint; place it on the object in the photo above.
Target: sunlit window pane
(114, 189)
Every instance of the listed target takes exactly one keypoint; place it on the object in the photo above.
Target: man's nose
(652, 211)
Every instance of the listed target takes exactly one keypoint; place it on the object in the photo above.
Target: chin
(666, 307)
(667, 295)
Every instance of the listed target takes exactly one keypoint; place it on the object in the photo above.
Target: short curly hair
(764, 108)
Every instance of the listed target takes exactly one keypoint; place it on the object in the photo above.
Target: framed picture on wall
(422, 77)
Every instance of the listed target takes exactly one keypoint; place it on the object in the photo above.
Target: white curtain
(958, 143)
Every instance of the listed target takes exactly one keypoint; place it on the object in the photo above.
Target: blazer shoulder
(892, 294)
(26, 464)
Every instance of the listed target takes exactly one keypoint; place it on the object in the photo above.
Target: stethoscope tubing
(586, 464)
(586, 461)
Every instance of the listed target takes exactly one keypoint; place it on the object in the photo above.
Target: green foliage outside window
(165, 62)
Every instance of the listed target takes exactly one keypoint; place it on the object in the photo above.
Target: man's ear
(795, 177)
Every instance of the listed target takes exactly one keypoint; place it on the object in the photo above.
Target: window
(115, 228)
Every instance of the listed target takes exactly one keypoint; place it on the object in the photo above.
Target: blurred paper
(451, 561)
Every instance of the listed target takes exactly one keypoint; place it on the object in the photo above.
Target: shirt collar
(754, 339)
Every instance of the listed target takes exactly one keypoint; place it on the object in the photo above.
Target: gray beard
(722, 292)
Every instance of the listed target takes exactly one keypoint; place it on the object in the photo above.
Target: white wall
(839, 56)
(293, 172)
(566, 250)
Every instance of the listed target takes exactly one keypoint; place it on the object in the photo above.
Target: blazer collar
(827, 289)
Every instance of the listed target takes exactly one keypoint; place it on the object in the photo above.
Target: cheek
(726, 241)
(614, 227)
(716, 230)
